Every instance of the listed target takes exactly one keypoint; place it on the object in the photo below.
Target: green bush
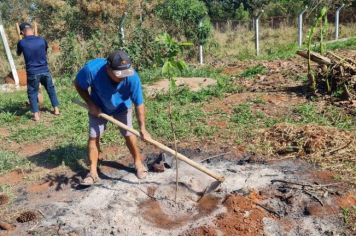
(142, 48)
(241, 14)
(72, 54)
(181, 18)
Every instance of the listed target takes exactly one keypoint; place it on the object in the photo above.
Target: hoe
(213, 186)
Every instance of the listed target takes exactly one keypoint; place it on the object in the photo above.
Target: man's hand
(94, 110)
(144, 134)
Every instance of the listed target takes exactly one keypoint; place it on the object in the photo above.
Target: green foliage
(204, 31)
(347, 212)
(330, 116)
(181, 18)
(170, 50)
(347, 44)
(71, 55)
(253, 71)
(243, 114)
(10, 161)
(228, 9)
(142, 48)
(188, 122)
(283, 51)
(241, 14)
(245, 117)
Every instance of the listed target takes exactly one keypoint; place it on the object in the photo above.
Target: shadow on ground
(19, 108)
(69, 155)
(74, 157)
(298, 90)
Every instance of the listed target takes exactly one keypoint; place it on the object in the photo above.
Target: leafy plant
(204, 30)
(142, 47)
(181, 17)
(71, 55)
(171, 66)
(169, 52)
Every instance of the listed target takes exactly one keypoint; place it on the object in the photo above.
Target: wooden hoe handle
(157, 144)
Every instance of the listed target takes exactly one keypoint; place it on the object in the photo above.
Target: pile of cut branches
(334, 75)
(328, 147)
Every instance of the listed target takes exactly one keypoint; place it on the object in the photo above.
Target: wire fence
(275, 35)
(274, 23)
(347, 17)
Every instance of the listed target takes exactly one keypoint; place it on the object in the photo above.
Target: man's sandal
(141, 173)
(89, 180)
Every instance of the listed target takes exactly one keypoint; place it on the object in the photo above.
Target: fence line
(301, 24)
(281, 21)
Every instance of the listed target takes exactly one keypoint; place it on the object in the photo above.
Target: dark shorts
(97, 125)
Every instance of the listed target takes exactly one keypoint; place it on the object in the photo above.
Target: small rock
(158, 167)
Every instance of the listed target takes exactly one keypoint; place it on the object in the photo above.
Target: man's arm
(140, 113)
(46, 45)
(84, 94)
(19, 49)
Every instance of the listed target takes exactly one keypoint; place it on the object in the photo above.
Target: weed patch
(10, 161)
(253, 71)
(244, 116)
(349, 215)
(334, 45)
(330, 116)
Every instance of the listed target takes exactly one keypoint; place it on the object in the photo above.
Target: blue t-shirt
(34, 49)
(111, 97)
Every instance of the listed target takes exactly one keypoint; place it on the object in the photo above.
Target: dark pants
(33, 83)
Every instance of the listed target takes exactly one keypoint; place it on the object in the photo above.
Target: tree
(172, 66)
(181, 17)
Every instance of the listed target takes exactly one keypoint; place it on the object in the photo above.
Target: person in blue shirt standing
(34, 50)
(111, 86)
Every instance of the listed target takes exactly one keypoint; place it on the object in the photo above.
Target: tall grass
(281, 43)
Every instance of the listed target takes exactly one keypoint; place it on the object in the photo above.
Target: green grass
(149, 76)
(257, 100)
(341, 44)
(347, 214)
(253, 71)
(245, 116)
(68, 132)
(10, 161)
(246, 121)
(330, 116)
(283, 51)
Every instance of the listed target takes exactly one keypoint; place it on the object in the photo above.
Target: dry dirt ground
(257, 198)
(193, 83)
(262, 194)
